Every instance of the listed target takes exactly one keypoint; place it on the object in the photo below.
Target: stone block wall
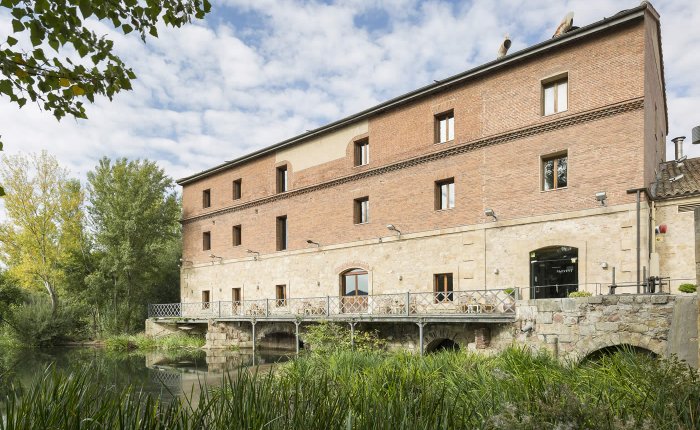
(222, 334)
(576, 327)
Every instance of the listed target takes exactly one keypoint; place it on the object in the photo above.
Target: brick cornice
(557, 124)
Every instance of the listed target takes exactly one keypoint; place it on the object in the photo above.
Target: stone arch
(439, 344)
(587, 346)
(436, 335)
(354, 264)
(277, 335)
(609, 350)
(263, 329)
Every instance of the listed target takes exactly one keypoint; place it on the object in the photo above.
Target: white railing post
(328, 306)
(408, 303)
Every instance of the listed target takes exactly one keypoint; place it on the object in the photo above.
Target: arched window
(553, 272)
(355, 283)
(354, 289)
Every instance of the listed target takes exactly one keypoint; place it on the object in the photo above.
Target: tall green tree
(44, 221)
(134, 213)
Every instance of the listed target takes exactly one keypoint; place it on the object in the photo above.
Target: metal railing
(385, 305)
(651, 286)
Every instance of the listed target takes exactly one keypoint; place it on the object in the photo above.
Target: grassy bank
(145, 343)
(514, 390)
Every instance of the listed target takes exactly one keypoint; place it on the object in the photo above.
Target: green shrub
(326, 338)
(574, 294)
(688, 288)
(34, 324)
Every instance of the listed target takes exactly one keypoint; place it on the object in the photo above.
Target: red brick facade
(495, 158)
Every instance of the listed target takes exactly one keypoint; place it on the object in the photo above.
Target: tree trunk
(54, 297)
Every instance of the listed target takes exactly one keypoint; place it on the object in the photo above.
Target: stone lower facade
(483, 256)
(571, 329)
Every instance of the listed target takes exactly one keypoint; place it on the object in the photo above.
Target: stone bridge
(571, 328)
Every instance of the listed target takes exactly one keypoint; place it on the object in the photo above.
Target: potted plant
(687, 288)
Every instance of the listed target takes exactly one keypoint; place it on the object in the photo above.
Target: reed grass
(373, 390)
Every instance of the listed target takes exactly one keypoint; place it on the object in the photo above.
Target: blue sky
(255, 72)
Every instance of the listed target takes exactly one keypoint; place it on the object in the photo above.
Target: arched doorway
(553, 272)
(354, 291)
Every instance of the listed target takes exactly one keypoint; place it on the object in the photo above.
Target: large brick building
(516, 173)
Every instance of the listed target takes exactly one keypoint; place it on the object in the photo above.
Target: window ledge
(444, 210)
(549, 115)
(447, 141)
(554, 189)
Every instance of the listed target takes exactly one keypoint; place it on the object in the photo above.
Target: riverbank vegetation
(373, 390)
(84, 260)
(141, 342)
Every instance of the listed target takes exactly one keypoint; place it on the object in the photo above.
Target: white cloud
(215, 90)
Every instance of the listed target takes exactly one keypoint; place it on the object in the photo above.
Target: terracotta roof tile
(688, 185)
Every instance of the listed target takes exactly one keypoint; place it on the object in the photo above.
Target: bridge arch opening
(279, 340)
(442, 344)
(608, 351)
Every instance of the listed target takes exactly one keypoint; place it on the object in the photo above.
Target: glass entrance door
(553, 272)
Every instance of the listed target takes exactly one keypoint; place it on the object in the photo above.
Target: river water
(161, 373)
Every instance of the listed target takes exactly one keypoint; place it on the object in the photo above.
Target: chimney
(503, 49)
(696, 136)
(678, 141)
(565, 25)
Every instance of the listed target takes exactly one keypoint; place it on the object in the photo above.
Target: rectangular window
(445, 127)
(206, 299)
(555, 96)
(282, 233)
(445, 194)
(237, 189)
(282, 179)
(554, 172)
(443, 287)
(362, 152)
(236, 235)
(361, 210)
(206, 241)
(281, 295)
(236, 296)
(206, 198)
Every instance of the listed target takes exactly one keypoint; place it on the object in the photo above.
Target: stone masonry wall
(574, 328)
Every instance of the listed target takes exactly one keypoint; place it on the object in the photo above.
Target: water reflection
(162, 373)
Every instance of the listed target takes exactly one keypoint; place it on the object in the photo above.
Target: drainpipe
(638, 192)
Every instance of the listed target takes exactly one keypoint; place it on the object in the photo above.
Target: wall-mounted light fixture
(257, 254)
(491, 213)
(601, 196)
(496, 271)
(311, 242)
(603, 265)
(392, 227)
